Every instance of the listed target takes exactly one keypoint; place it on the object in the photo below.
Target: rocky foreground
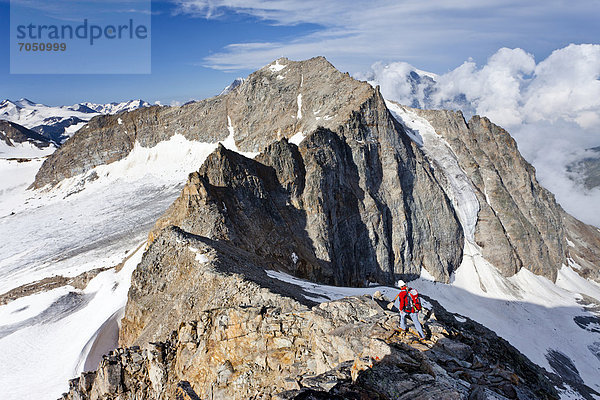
(241, 340)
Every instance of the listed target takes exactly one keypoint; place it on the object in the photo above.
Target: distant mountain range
(59, 123)
(114, 108)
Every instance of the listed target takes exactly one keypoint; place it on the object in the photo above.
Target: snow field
(44, 354)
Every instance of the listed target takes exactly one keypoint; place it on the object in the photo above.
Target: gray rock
(519, 224)
(326, 210)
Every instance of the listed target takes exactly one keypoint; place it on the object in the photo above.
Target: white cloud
(495, 89)
(552, 108)
(433, 34)
(566, 86)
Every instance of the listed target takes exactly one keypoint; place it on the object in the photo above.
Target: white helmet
(401, 283)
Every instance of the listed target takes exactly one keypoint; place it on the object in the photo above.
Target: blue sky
(199, 46)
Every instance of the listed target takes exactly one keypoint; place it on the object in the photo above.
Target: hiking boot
(421, 341)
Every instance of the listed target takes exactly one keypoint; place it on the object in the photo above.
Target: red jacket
(403, 306)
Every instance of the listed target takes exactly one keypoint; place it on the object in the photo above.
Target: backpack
(412, 302)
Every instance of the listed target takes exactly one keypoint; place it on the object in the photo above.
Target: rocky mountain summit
(239, 334)
(273, 102)
(391, 198)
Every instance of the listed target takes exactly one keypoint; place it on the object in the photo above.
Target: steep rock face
(244, 337)
(279, 100)
(336, 209)
(519, 224)
(583, 247)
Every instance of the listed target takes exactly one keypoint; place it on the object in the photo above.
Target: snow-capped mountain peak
(24, 102)
(114, 108)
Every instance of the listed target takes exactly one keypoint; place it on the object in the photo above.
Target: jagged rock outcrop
(12, 133)
(182, 275)
(244, 335)
(326, 210)
(519, 223)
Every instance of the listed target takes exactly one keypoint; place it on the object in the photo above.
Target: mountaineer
(409, 303)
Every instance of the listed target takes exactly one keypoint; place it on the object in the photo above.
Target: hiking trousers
(415, 319)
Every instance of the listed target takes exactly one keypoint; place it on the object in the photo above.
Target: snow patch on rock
(459, 188)
(299, 101)
(297, 138)
(229, 142)
(276, 67)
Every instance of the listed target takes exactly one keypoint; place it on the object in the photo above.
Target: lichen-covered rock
(183, 275)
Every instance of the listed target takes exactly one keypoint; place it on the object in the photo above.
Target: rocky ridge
(240, 340)
(311, 210)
